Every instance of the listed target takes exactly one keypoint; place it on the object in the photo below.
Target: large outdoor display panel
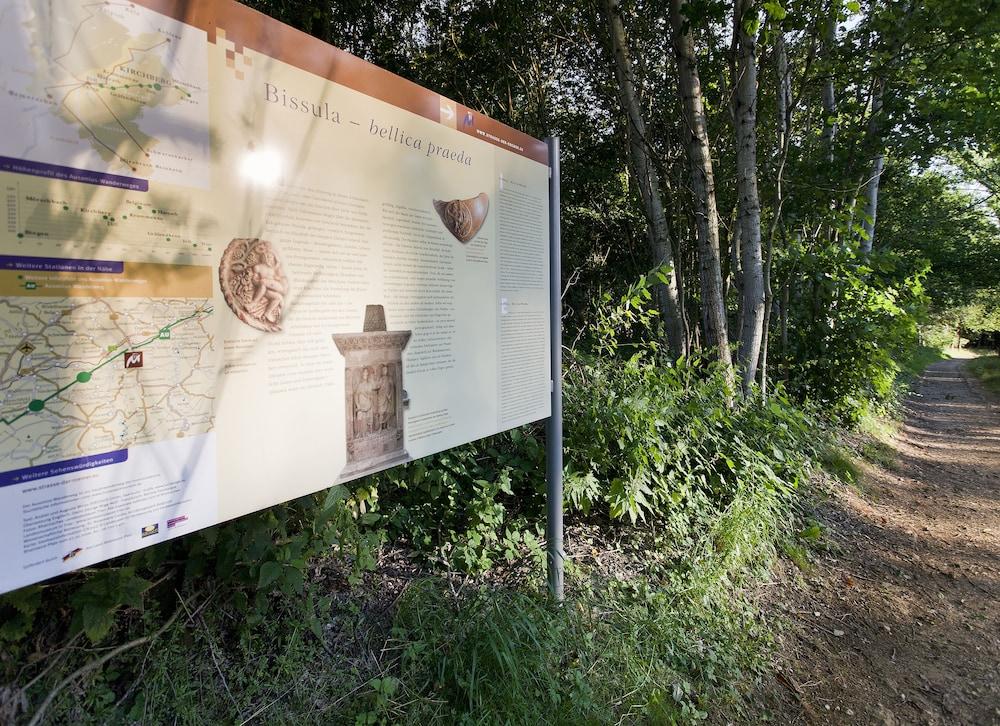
(238, 266)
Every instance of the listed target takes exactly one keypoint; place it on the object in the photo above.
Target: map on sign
(104, 86)
(80, 376)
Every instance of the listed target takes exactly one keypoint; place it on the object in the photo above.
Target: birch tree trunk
(745, 119)
(871, 204)
(783, 108)
(706, 211)
(647, 180)
(875, 178)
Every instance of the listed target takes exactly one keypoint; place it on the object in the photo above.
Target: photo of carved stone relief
(254, 283)
(374, 395)
(463, 217)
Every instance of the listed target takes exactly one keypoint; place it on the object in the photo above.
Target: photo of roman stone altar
(374, 396)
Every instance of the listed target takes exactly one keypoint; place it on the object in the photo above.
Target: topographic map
(104, 86)
(80, 376)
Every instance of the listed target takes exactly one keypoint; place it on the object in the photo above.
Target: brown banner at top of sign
(245, 27)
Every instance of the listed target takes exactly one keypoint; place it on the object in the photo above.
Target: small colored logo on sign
(467, 120)
(176, 521)
(133, 360)
(150, 529)
(71, 554)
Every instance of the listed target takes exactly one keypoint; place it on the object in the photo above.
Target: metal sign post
(554, 425)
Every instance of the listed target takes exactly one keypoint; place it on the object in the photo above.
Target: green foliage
(774, 10)
(847, 327)
(650, 438)
(915, 362)
(253, 562)
(96, 600)
(879, 453)
(489, 653)
(471, 506)
(17, 612)
(646, 440)
(665, 647)
(840, 464)
(978, 320)
(798, 554)
(211, 669)
(987, 370)
(380, 697)
(649, 441)
(926, 219)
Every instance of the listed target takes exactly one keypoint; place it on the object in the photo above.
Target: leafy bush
(847, 328)
(471, 506)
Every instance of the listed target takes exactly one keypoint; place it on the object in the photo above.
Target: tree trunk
(784, 91)
(706, 212)
(784, 102)
(768, 304)
(783, 324)
(875, 178)
(829, 92)
(647, 180)
(871, 204)
(745, 116)
(680, 260)
(734, 250)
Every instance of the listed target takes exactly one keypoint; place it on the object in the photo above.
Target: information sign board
(239, 265)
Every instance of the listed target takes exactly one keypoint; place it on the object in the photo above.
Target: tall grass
(666, 647)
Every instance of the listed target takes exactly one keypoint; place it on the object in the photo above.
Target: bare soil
(898, 622)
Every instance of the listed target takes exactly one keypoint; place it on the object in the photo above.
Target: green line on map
(38, 404)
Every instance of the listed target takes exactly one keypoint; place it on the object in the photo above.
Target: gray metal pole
(554, 426)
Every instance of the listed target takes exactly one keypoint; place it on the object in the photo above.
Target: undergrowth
(286, 615)
(987, 369)
(667, 646)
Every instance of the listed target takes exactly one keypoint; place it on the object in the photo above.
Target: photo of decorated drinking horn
(463, 217)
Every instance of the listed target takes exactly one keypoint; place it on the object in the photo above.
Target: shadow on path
(900, 622)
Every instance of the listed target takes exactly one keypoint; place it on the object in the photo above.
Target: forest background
(772, 214)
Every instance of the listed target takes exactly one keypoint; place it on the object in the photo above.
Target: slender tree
(783, 109)
(830, 125)
(647, 179)
(706, 211)
(875, 177)
(745, 27)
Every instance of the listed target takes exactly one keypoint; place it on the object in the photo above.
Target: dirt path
(900, 622)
